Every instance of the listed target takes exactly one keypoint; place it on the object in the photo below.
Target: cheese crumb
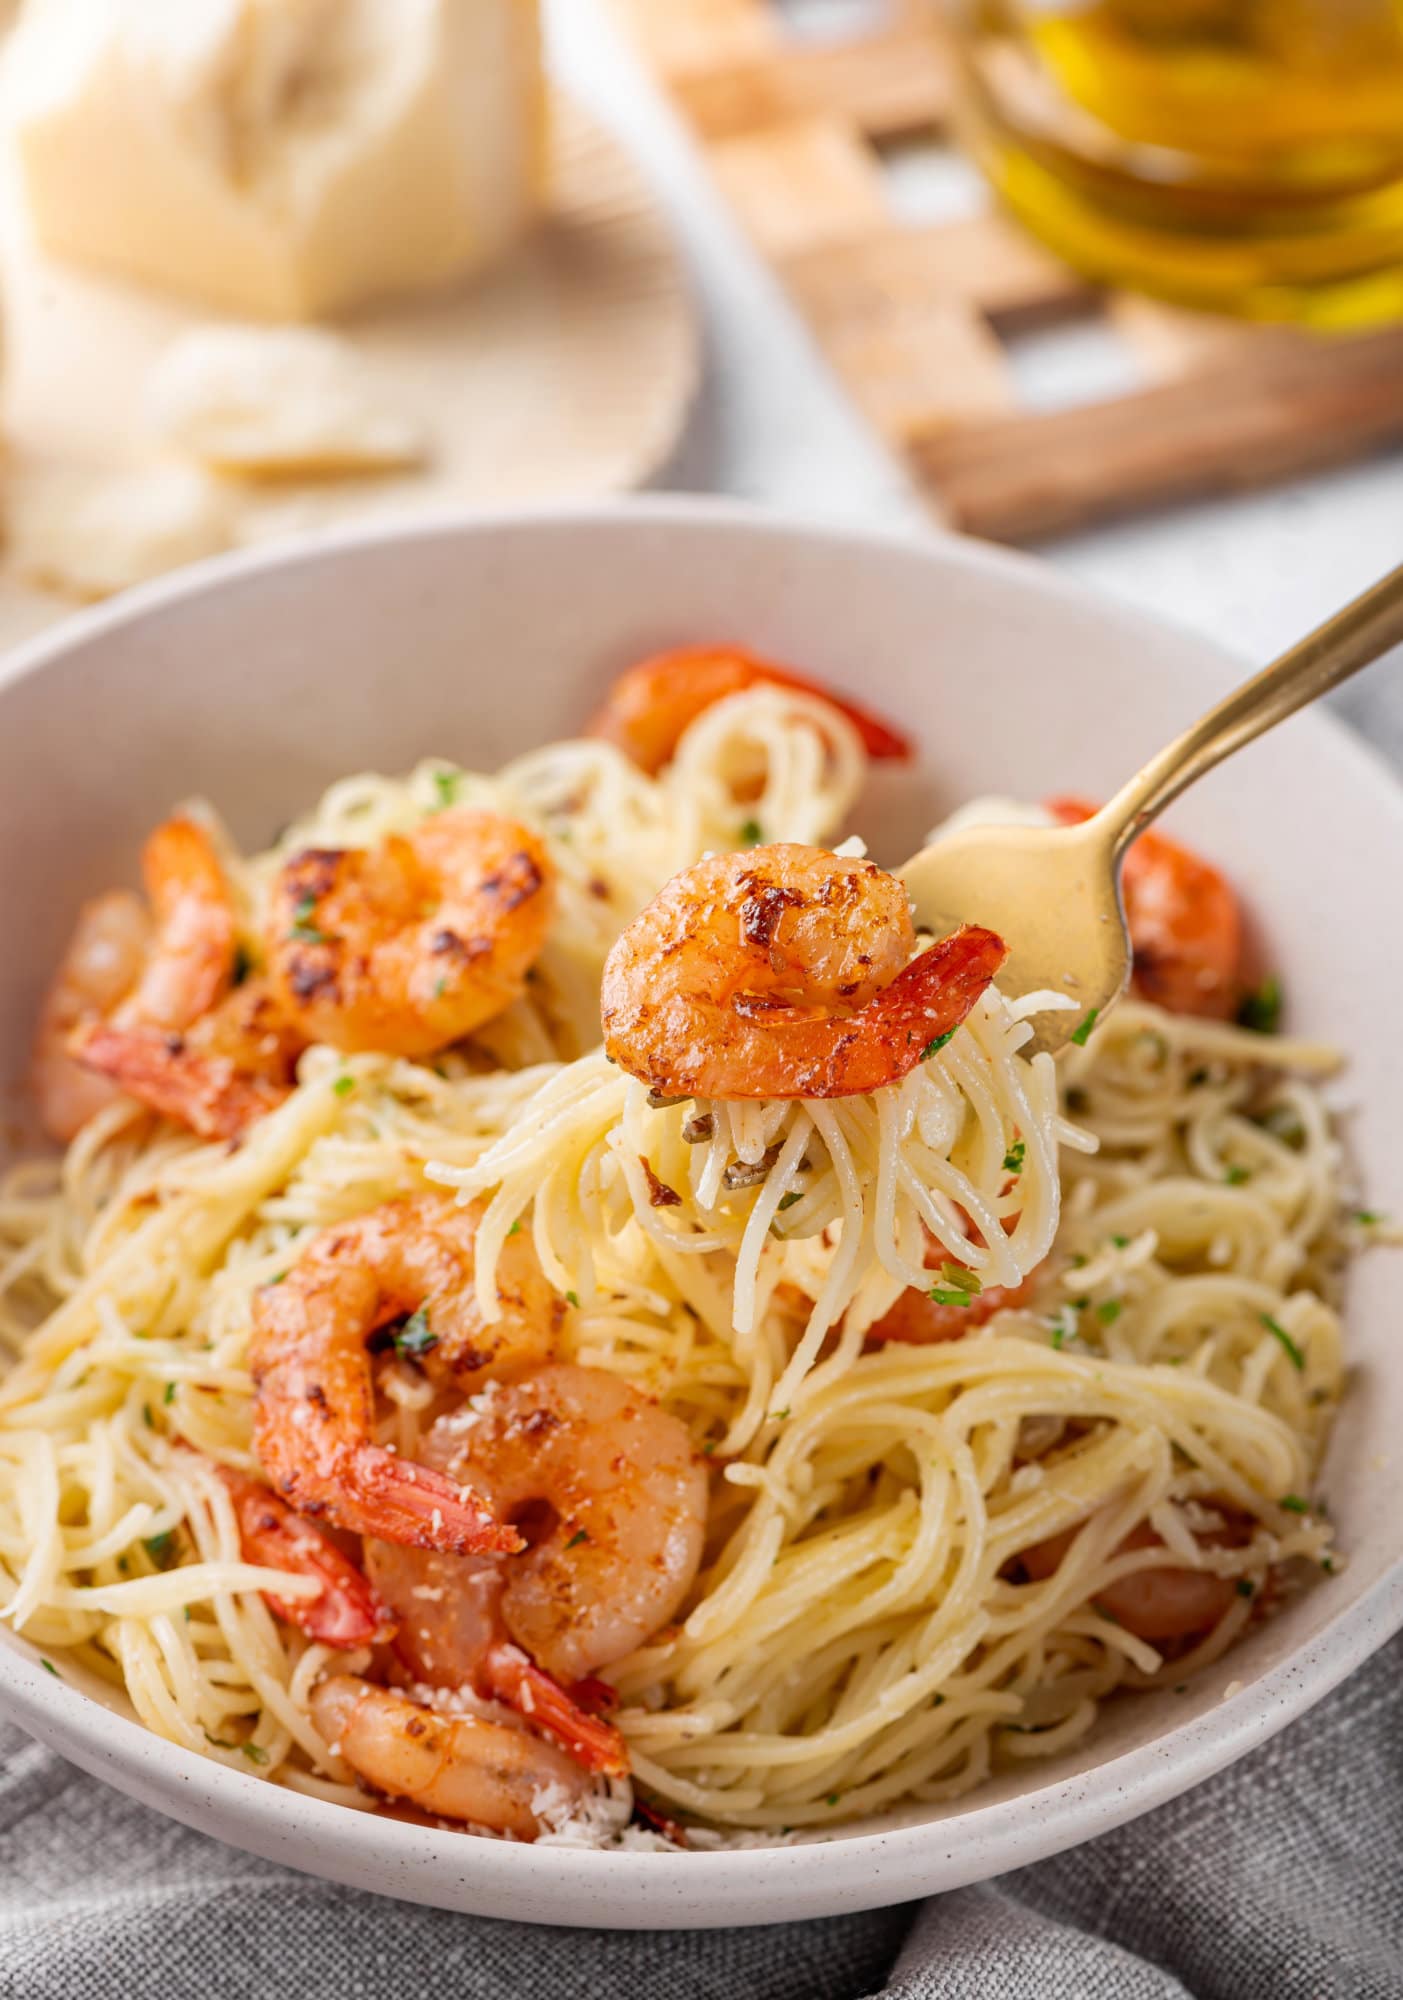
(87, 534)
(286, 403)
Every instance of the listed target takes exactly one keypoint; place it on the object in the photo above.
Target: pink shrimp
(234, 1064)
(314, 1398)
(649, 708)
(347, 1613)
(162, 963)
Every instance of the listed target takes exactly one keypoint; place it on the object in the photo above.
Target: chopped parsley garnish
(934, 1048)
(1278, 1332)
(1014, 1157)
(440, 986)
(580, 1535)
(1108, 1310)
(344, 1085)
(573, 1299)
(304, 931)
(446, 789)
(1121, 1242)
(1059, 1334)
(1080, 1035)
(963, 1279)
(1369, 1218)
(709, 1447)
(751, 833)
(161, 1548)
(49, 1668)
(1235, 1176)
(778, 1416)
(788, 1200)
(943, 1296)
(415, 1336)
(832, 1799)
(1294, 1504)
(1246, 1587)
(1261, 1011)
(169, 1396)
(515, 1227)
(254, 1752)
(147, 1417)
(1327, 1563)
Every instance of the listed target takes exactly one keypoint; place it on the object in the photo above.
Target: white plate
(257, 680)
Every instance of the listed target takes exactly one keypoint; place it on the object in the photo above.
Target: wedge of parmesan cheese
(276, 403)
(282, 159)
(87, 534)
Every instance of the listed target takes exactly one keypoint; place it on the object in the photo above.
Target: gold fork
(1053, 893)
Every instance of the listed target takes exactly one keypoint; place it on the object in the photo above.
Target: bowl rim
(848, 1870)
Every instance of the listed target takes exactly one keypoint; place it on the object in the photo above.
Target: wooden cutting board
(915, 318)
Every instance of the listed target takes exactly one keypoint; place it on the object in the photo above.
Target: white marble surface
(1253, 571)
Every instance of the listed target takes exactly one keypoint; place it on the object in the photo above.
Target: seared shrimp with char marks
(313, 1389)
(784, 972)
(408, 946)
(162, 963)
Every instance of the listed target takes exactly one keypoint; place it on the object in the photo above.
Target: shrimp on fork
(313, 1387)
(784, 972)
(408, 946)
(160, 964)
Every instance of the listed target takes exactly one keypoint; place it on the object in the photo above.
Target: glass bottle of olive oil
(1245, 155)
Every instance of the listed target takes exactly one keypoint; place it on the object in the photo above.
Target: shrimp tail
(387, 1496)
(209, 1094)
(885, 1040)
(348, 1613)
(515, 1679)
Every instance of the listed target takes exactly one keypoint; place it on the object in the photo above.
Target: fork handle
(1367, 628)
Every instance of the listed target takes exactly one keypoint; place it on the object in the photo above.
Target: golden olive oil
(1239, 154)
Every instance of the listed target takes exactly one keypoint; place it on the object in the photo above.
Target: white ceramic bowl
(256, 681)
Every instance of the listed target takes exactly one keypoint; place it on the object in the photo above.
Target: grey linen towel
(1282, 1879)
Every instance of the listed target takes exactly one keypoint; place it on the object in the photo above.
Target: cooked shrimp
(452, 1635)
(236, 1062)
(649, 708)
(1185, 923)
(314, 1395)
(130, 964)
(100, 967)
(617, 1499)
(456, 1767)
(348, 1613)
(784, 972)
(919, 1319)
(1155, 1604)
(408, 946)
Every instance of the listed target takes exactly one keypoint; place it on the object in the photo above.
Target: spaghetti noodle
(913, 1550)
